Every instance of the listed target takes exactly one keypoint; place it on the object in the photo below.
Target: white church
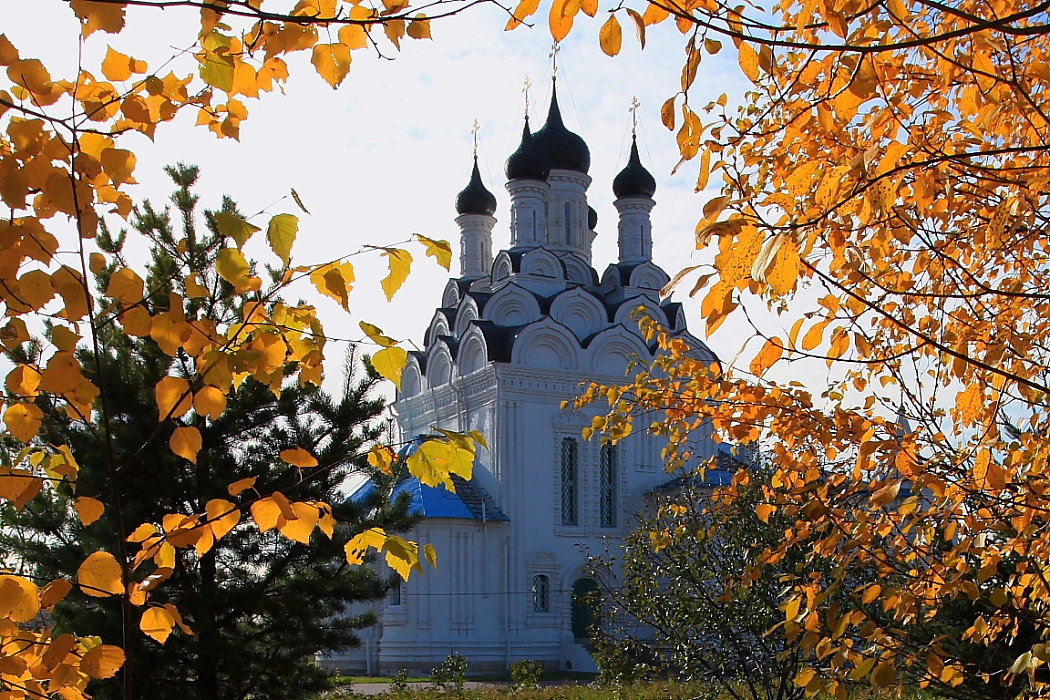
(515, 335)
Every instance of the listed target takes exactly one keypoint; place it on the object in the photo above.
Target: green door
(584, 605)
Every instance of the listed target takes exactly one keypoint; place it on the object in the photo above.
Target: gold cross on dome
(525, 88)
(474, 130)
(553, 55)
(633, 109)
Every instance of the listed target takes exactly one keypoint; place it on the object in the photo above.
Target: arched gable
(612, 350)
(580, 311)
(546, 344)
(450, 297)
(467, 312)
(542, 263)
(439, 365)
(411, 378)
(649, 276)
(439, 325)
(577, 270)
(502, 267)
(610, 280)
(473, 352)
(512, 306)
(630, 312)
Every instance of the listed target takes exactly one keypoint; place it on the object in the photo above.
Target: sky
(383, 156)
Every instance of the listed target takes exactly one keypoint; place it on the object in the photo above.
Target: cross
(525, 88)
(474, 130)
(553, 55)
(633, 109)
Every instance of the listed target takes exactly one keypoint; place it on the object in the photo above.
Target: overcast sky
(384, 156)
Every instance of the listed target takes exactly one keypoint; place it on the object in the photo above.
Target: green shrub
(525, 673)
(451, 674)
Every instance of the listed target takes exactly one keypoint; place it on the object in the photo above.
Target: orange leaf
(88, 509)
(610, 36)
(173, 397)
(186, 442)
(209, 401)
(157, 623)
(100, 576)
(298, 457)
(241, 485)
(102, 661)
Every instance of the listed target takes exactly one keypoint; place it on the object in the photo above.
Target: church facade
(516, 334)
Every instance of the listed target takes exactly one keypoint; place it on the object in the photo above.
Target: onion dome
(634, 180)
(475, 199)
(528, 162)
(592, 218)
(564, 149)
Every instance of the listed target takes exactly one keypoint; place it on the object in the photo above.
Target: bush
(525, 673)
(451, 674)
(399, 683)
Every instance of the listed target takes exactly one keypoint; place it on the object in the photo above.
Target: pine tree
(260, 606)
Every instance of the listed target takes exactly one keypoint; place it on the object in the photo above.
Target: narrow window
(607, 486)
(569, 482)
(541, 593)
(568, 225)
(394, 596)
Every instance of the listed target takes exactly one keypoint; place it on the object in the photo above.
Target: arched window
(570, 477)
(607, 486)
(541, 593)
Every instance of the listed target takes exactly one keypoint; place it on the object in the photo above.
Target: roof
(718, 473)
(469, 502)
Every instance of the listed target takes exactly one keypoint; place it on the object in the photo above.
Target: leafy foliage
(253, 607)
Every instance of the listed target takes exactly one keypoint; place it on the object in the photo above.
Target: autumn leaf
(23, 420)
(94, 16)
(173, 396)
(390, 363)
(102, 661)
(209, 401)
(280, 233)
(610, 36)
(185, 441)
(19, 600)
(125, 286)
(241, 485)
(376, 335)
(399, 262)
(232, 267)
(88, 509)
(298, 457)
(157, 623)
(332, 62)
(359, 545)
(441, 251)
(100, 576)
(235, 227)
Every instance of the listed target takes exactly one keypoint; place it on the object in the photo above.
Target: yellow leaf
(353, 36)
(401, 555)
(235, 227)
(871, 594)
(610, 36)
(435, 460)
(119, 164)
(54, 592)
(185, 441)
(390, 363)
(209, 401)
(116, 65)
(705, 171)
(561, 16)
(88, 509)
(241, 485)
(217, 65)
(441, 251)
(280, 234)
(102, 661)
(173, 397)
(136, 321)
(783, 272)
(223, 516)
(767, 356)
(332, 62)
(382, 458)
(399, 262)
(969, 403)
(419, 28)
(375, 334)
(298, 457)
(232, 267)
(334, 280)
(431, 554)
(100, 576)
(19, 599)
(23, 420)
(126, 286)
(524, 10)
(266, 512)
(748, 59)
(764, 510)
(303, 525)
(157, 623)
(884, 675)
(107, 16)
(814, 336)
(357, 548)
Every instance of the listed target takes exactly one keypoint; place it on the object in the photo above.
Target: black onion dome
(634, 180)
(475, 199)
(592, 218)
(564, 149)
(528, 162)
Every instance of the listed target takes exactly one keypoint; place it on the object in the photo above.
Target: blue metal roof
(469, 502)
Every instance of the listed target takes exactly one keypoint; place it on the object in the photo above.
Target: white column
(635, 229)
(475, 244)
(528, 212)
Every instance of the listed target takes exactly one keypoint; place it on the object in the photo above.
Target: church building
(516, 334)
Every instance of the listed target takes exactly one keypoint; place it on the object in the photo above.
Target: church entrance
(583, 607)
